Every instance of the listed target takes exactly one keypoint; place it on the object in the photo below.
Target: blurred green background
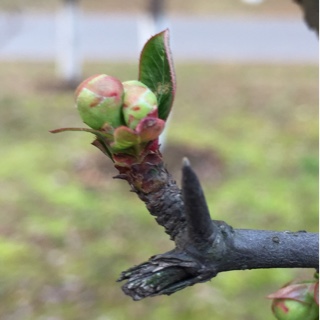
(68, 229)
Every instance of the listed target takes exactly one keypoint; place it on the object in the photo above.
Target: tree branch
(205, 247)
(240, 250)
(310, 10)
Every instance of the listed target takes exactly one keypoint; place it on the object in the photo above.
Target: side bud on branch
(296, 301)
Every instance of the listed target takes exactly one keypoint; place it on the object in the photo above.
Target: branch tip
(200, 225)
(185, 162)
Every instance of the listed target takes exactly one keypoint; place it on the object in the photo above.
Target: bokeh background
(246, 114)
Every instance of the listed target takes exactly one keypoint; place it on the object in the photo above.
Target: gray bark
(205, 247)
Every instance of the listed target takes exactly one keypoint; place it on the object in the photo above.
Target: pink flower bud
(99, 101)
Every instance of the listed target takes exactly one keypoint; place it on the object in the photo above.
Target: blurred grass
(67, 229)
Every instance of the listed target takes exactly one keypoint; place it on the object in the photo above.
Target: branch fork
(205, 247)
(127, 119)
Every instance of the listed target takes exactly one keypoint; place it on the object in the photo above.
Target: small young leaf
(156, 71)
(124, 138)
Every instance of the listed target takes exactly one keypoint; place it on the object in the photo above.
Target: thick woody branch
(205, 247)
(240, 250)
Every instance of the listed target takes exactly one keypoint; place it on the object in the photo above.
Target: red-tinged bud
(295, 302)
(138, 102)
(99, 101)
(148, 130)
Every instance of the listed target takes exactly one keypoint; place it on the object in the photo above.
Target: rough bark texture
(235, 250)
(204, 247)
(154, 185)
(167, 206)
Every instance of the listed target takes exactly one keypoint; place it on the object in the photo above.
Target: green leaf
(124, 138)
(156, 71)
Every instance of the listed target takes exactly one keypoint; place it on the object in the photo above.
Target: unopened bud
(295, 302)
(99, 101)
(138, 102)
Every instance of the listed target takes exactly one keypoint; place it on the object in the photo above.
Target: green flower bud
(295, 302)
(138, 102)
(99, 101)
(294, 310)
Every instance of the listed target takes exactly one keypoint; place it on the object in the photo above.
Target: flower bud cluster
(128, 111)
(103, 100)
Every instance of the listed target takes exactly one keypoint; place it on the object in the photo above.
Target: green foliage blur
(68, 229)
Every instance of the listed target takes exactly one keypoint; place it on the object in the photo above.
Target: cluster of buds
(128, 117)
(297, 301)
(123, 116)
